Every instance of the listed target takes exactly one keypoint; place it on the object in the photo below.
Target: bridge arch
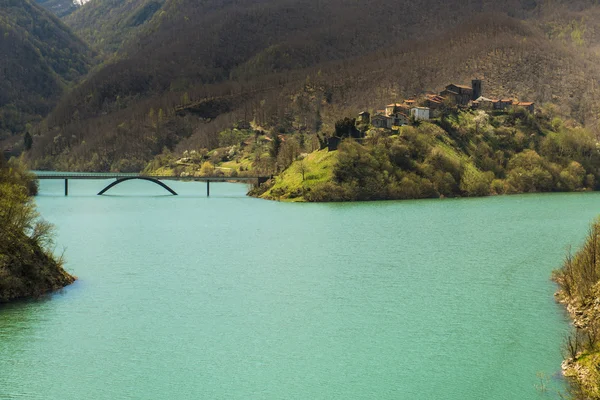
(145, 178)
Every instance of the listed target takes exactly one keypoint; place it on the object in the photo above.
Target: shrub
(330, 191)
(475, 182)
(498, 186)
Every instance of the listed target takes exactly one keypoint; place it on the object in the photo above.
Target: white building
(421, 113)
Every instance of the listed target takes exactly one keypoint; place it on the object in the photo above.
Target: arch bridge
(120, 178)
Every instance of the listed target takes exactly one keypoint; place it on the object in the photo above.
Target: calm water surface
(231, 297)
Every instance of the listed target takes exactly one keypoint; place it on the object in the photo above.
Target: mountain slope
(188, 43)
(215, 36)
(106, 24)
(39, 56)
(300, 64)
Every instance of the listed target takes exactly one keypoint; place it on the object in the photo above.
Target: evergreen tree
(275, 147)
(27, 141)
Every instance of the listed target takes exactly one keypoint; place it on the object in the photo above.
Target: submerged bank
(579, 281)
(28, 267)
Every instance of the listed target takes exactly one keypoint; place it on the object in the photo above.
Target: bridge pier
(66, 187)
(207, 188)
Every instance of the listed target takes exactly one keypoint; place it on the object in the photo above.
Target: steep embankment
(27, 266)
(579, 281)
(258, 59)
(39, 58)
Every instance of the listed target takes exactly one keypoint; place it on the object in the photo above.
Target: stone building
(395, 108)
(382, 121)
(529, 106)
(462, 94)
(399, 119)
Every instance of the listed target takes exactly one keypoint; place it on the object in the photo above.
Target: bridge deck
(119, 178)
(171, 178)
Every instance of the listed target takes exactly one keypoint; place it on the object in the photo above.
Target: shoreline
(258, 192)
(579, 293)
(28, 266)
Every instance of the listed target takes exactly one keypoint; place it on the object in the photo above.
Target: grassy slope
(318, 168)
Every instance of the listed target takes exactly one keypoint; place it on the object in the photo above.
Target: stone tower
(477, 88)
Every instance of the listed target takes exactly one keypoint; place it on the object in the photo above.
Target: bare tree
(302, 169)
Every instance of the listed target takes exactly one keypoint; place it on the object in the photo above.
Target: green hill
(40, 57)
(462, 153)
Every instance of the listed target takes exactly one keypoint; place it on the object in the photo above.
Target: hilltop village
(431, 105)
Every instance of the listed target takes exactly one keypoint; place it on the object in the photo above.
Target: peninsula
(457, 143)
(27, 266)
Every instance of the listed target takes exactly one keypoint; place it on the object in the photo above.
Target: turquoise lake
(230, 297)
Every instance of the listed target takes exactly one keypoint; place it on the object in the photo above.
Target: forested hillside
(298, 65)
(39, 58)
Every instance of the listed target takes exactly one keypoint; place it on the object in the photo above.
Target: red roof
(525, 104)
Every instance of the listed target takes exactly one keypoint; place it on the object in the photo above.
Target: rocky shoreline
(579, 282)
(28, 271)
(28, 267)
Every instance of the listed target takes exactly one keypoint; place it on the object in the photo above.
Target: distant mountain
(39, 58)
(299, 64)
(61, 8)
(106, 24)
